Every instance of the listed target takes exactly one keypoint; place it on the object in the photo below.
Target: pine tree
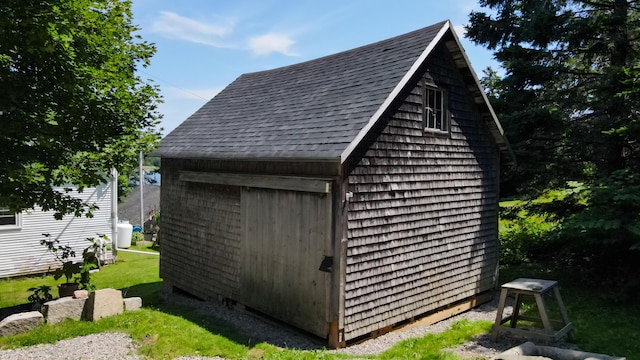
(569, 98)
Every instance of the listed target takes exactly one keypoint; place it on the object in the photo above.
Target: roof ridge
(353, 50)
(318, 109)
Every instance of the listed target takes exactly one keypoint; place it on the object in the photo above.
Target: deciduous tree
(72, 105)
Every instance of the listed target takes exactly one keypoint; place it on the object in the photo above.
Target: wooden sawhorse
(536, 288)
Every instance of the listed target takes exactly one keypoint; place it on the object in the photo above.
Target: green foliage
(74, 272)
(136, 237)
(611, 211)
(40, 295)
(580, 90)
(577, 133)
(590, 227)
(72, 106)
(523, 235)
(152, 161)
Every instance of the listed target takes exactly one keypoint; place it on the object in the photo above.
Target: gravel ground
(119, 346)
(105, 345)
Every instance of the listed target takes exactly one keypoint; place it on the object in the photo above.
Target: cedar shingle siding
(200, 236)
(313, 194)
(423, 219)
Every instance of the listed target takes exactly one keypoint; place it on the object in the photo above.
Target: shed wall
(260, 244)
(422, 224)
(22, 253)
(286, 235)
(200, 235)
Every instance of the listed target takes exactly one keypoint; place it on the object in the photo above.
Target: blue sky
(203, 45)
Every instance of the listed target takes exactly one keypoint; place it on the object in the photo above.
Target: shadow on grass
(7, 311)
(151, 294)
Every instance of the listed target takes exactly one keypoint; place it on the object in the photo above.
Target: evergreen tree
(570, 105)
(569, 99)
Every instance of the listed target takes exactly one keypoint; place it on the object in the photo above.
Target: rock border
(83, 305)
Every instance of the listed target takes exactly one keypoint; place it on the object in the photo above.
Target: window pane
(435, 112)
(7, 218)
(430, 108)
(438, 106)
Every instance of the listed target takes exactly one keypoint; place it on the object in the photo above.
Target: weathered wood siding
(422, 224)
(200, 235)
(259, 246)
(21, 252)
(286, 235)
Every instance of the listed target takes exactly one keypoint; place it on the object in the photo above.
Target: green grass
(166, 330)
(135, 274)
(601, 323)
(164, 335)
(160, 335)
(431, 346)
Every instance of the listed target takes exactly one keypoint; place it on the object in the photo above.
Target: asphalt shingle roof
(310, 110)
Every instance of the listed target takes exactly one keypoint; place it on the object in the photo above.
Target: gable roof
(315, 110)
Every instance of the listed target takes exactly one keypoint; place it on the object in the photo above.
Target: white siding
(20, 249)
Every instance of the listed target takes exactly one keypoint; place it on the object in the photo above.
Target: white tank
(125, 230)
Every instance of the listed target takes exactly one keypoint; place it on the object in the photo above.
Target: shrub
(524, 235)
(136, 237)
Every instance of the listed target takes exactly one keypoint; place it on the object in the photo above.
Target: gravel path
(119, 346)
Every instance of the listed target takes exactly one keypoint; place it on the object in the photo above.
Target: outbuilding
(341, 195)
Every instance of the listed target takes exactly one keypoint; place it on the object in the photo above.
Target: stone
(103, 303)
(20, 323)
(80, 294)
(64, 308)
(132, 303)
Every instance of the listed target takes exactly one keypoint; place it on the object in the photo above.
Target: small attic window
(435, 112)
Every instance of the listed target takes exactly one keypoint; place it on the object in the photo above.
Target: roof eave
(394, 93)
(193, 156)
(462, 62)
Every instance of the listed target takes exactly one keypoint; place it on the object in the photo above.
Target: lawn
(603, 323)
(135, 274)
(164, 330)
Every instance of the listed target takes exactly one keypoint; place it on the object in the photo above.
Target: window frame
(17, 224)
(444, 120)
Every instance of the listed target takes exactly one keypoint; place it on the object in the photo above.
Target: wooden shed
(341, 195)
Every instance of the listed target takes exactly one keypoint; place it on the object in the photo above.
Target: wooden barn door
(286, 235)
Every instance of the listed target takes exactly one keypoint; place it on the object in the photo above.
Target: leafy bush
(611, 211)
(592, 228)
(40, 295)
(136, 237)
(523, 235)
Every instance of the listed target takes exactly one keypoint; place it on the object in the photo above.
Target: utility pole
(141, 192)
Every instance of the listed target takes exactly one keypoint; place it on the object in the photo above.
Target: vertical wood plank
(288, 246)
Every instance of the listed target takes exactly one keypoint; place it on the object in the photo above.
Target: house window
(435, 114)
(9, 219)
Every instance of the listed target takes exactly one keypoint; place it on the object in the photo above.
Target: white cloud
(174, 26)
(272, 43)
(194, 94)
